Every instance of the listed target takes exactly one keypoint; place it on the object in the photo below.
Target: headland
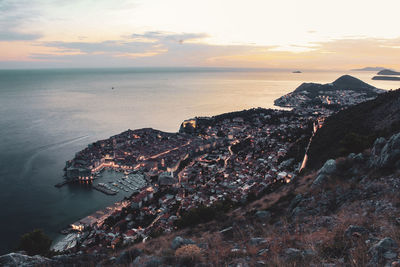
(211, 163)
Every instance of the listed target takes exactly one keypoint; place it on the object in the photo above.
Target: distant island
(296, 71)
(387, 75)
(369, 69)
(386, 78)
(388, 72)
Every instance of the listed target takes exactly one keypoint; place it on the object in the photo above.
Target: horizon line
(180, 67)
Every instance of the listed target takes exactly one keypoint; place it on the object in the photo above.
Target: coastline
(168, 161)
(190, 147)
(70, 118)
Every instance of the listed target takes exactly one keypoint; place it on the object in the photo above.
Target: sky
(284, 34)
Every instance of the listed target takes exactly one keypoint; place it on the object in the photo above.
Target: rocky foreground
(345, 214)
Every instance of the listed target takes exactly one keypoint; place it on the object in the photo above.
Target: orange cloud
(168, 50)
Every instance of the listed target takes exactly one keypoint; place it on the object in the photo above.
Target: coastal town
(229, 158)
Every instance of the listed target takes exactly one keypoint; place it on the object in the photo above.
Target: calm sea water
(48, 115)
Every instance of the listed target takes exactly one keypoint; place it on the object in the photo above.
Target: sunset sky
(307, 34)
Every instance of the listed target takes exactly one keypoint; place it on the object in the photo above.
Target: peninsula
(252, 186)
(212, 162)
(343, 92)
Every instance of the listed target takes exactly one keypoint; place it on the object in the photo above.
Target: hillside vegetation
(356, 128)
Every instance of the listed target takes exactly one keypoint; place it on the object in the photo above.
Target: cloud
(111, 47)
(14, 16)
(158, 36)
(148, 44)
(349, 53)
(157, 48)
(18, 36)
(162, 50)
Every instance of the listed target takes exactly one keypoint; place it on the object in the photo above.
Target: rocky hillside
(345, 214)
(356, 128)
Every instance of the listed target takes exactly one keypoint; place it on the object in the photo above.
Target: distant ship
(296, 71)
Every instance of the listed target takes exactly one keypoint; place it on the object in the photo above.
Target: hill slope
(356, 128)
(345, 91)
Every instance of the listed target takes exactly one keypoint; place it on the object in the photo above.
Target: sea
(48, 115)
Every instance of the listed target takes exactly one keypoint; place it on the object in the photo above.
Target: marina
(111, 180)
(113, 183)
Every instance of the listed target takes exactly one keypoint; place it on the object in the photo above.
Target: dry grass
(188, 255)
(325, 242)
(299, 186)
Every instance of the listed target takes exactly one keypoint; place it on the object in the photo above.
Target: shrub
(35, 242)
(336, 248)
(353, 142)
(188, 254)
(203, 214)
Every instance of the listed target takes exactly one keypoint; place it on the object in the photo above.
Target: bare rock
(18, 259)
(263, 214)
(255, 241)
(293, 254)
(383, 251)
(386, 155)
(328, 169)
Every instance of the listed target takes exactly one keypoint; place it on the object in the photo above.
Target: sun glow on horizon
(257, 33)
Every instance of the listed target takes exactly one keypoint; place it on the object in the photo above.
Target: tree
(35, 242)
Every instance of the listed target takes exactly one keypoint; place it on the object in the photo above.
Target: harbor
(100, 179)
(128, 184)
